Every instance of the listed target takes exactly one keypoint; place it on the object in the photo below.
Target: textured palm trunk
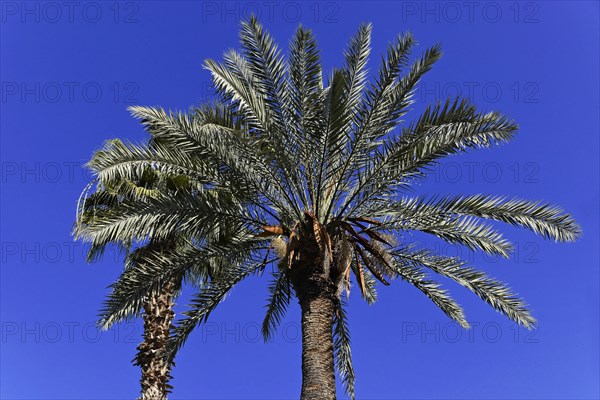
(317, 306)
(151, 357)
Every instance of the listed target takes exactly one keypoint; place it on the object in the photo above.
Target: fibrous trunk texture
(156, 368)
(315, 279)
(318, 376)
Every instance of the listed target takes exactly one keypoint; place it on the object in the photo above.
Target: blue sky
(68, 72)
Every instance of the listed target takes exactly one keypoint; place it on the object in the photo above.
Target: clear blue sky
(68, 73)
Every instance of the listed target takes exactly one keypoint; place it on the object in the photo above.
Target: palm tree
(158, 315)
(324, 172)
(155, 304)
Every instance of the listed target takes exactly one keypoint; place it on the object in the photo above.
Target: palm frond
(268, 68)
(263, 70)
(280, 293)
(544, 219)
(197, 214)
(304, 98)
(207, 300)
(147, 270)
(414, 214)
(414, 274)
(119, 162)
(305, 83)
(343, 99)
(382, 107)
(150, 267)
(488, 289)
(442, 130)
(341, 346)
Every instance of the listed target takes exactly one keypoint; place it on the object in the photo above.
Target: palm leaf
(341, 345)
(279, 299)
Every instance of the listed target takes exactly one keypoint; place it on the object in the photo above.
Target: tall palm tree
(155, 304)
(324, 171)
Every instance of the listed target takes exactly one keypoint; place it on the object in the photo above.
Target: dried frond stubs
(292, 246)
(384, 257)
(360, 276)
(323, 240)
(391, 240)
(271, 230)
(345, 252)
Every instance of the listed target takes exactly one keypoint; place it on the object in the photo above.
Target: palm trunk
(318, 376)
(151, 357)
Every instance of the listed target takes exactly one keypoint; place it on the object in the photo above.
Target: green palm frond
(147, 270)
(280, 293)
(488, 289)
(341, 345)
(544, 219)
(303, 97)
(381, 106)
(381, 109)
(353, 78)
(470, 233)
(237, 90)
(451, 218)
(208, 299)
(332, 97)
(413, 215)
(268, 69)
(447, 128)
(441, 130)
(121, 162)
(196, 214)
(306, 84)
(339, 105)
(414, 274)
(236, 85)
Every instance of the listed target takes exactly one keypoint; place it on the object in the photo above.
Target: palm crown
(314, 175)
(155, 304)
